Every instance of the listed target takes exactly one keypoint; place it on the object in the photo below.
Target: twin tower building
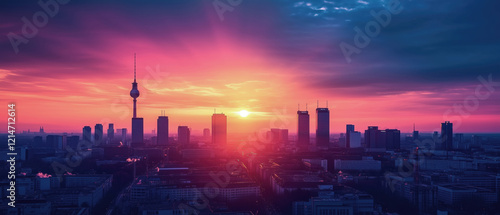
(219, 124)
(322, 128)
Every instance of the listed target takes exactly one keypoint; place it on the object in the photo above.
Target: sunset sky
(263, 56)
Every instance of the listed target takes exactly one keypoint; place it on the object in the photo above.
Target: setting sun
(244, 113)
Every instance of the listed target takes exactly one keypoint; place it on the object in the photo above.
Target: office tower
(98, 134)
(206, 133)
(137, 132)
(342, 140)
(392, 139)
(55, 141)
(162, 127)
(274, 136)
(137, 123)
(87, 134)
(372, 137)
(283, 136)
(303, 128)
(111, 132)
(322, 127)
(447, 135)
(415, 133)
(354, 139)
(348, 129)
(124, 135)
(219, 129)
(183, 135)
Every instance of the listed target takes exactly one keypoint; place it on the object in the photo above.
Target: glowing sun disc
(244, 113)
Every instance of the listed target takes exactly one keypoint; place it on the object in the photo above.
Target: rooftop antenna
(215, 110)
(326, 103)
(298, 107)
(413, 127)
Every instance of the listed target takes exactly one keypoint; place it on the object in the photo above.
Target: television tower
(137, 123)
(134, 93)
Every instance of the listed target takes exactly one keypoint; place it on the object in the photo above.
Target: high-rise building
(372, 137)
(447, 135)
(122, 132)
(206, 133)
(303, 128)
(415, 133)
(124, 135)
(436, 139)
(392, 139)
(322, 127)
(87, 134)
(274, 135)
(137, 132)
(389, 139)
(137, 123)
(283, 136)
(183, 135)
(348, 129)
(111, 132)
(354, 139)
(219, 129)
(98, 134)
(55, 141)
(162, 127)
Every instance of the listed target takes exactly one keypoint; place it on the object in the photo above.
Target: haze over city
(285, 55)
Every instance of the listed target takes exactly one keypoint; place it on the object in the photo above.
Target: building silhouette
(415, 133)
(206, 133)
(111, 132)
(162, 130)
(183, 135)
(447, 135)
(87, 134)
(348, 129)
(219, 129)
(137, 123)
(322, 127)
(123, 135)
(303, 128)
(354, 139)
(372, 137)
(392, 139)
(98, 134)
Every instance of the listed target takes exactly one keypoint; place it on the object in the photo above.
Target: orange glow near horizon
(188, 76)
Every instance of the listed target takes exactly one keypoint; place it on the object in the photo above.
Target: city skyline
(250, 107)
(190, 68)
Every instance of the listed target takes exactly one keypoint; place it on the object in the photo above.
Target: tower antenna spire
(326, 103)
(134, 66)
